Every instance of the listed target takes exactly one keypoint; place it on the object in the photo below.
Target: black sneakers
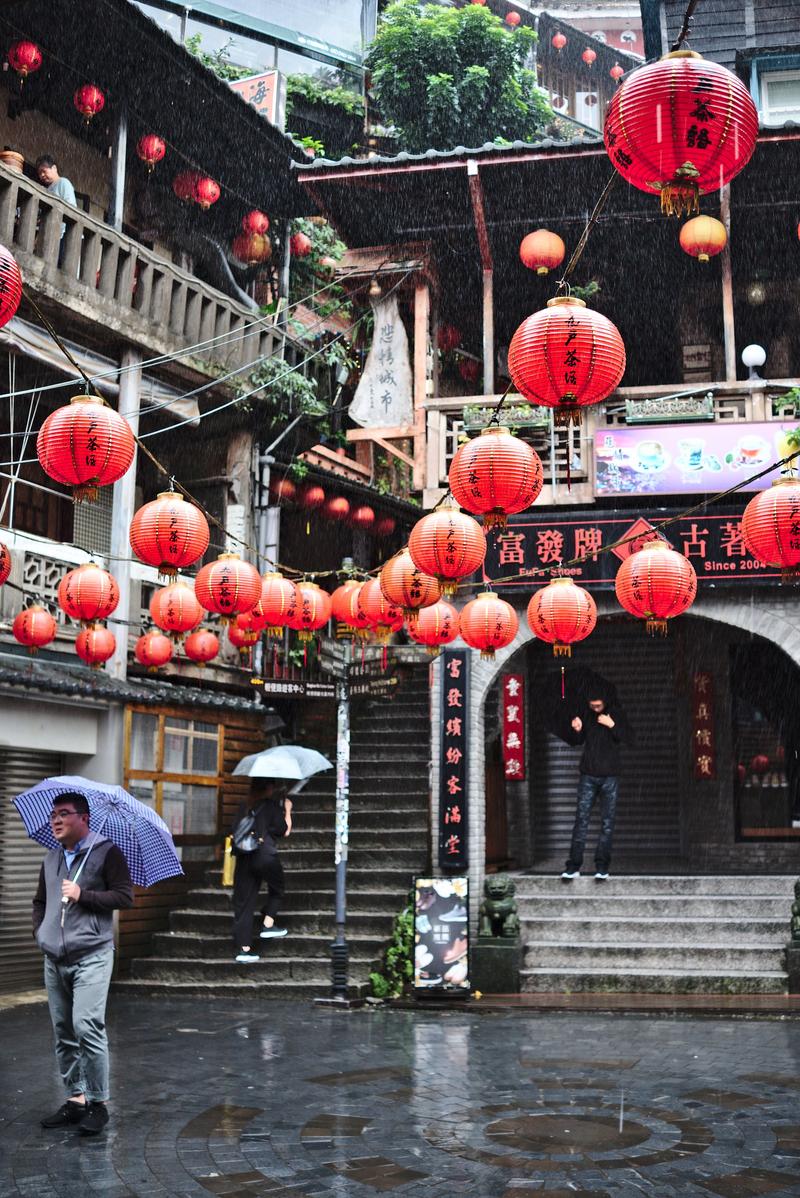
(94, 1120)
(70, 1112)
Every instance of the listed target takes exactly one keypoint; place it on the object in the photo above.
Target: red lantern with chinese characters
(169, 533)
(153, 650)
(357, 618)
(300, 245)
(771, 527)
(379, 611)
(10, 286)
(201, 646)
(495, 474)
(251, 248)
(656, 583)
(680, 128)
(340, 600)
(89, 100)
(488, 623)
(85, 445)
(384, 527)
(447, 545)
(24, 57)
(566, 357)
(34, 627)
(616, 72)
(151, 149)
(95, 644)
(175, 609)
(337, 508)
(407, 587)
(362, 517)
(228, 586)
(448, 338)
(88, 593)
(470, 370)
(255, 222)
(310, 611)
(183, 185)
(435, 626)
(512, 19)
(282, 490)
(277, 598)
(558, 41)
(562, 614)
(702, 237)
(542, 251)
(206, 191)
(589, 56)
(5, 563)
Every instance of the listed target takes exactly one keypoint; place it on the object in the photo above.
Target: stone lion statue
(498, 911)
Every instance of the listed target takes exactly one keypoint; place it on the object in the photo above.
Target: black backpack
(244, 839)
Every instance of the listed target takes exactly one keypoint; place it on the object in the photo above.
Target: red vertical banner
(704, 749)
(514, 726)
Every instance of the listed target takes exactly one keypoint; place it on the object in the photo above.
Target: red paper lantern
(680, 128)
(542, 251)
(616, 72)
(435, 626)
(175, 609)
(377, 608)
(759, 764)
(469, 369)
(153, 650)
(206, 191)
(255, 222)
(770, 527)
(488, 623)
(407, 587)
(201, 646)
(495, 474)
(448, 338)
(300, 245)
(513, 19)
(309, 611)
(183, 185)
(89, 100)
(85, 445)
(253, 620)
(312, 497)
(558, 41)
(242, 637)
(656, 583)
(337, 508)
(95, 644)
(282, 490)
(702, 237)
(566, 357)
(24, 57)
(589, 56)
(384, 527)
(327, 264)
(5, 563)
(277, 598)
(10, 286)
(447, 545)
(362, 517)
(562, 614)
(228, 586)
(34, 627)
(169, 533)
(251, 248)
(88, 593)
(340, 600)
(357, 618)
(151, 149)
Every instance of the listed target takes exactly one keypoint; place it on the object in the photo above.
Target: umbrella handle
(97, 832)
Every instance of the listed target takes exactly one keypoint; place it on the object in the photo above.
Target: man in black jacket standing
(601, 730)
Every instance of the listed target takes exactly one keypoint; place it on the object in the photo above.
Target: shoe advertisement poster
(441, 941)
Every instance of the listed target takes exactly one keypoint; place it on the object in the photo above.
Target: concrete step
(670, 955)
(192, 946)
(601, 904)
(388, 901)
(663, 981)
(246, 988)
(215, 923)
(531, 886)
(631, 931)
(226, 969)
(380, 855)
(366, 827)
(382, 799)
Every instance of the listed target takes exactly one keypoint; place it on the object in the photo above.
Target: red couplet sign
(514, 726)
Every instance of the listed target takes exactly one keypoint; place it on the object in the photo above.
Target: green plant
(298, 470)
(311, 145)
(217, 60)
(316, 91)
(278, 384)
(449, 76)
(586, 293)
(397, 968)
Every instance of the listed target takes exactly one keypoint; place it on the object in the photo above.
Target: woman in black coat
(273, 821)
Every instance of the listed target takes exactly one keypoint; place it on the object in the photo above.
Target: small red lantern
(175, 609)
(542, 251)
(589, 56)
(206, 191)
(151, 149)
(282, 490)
(656, 583)
(89, 100)
(24, 57)
(562, 614)
(435, 626)
(495, 474)
(95, 645)
(362, 517)
(407, 587)
(300, 245)
(447, 545)
(201, 646)
(253, 620)
(34, 627)
(759, 764)
(470, 370)
(770, 527)
(88, 593)
(312, 497)
(5, 563)
(255, 222)
(488, 623)
(242, 637)
(512, 19)
(327, 264)
(379, 611)
(169, 533)
(85, 445)
(310, 610)
(228, 586)
(448, 338)
(681, 127)
(558, 41)
(384, 527)
(337, 508)
(183, 185)
(702, 237)
(616, 72)
(153, 650)
(251, 248)
(277, 598)
(566, 357)
(10, 286)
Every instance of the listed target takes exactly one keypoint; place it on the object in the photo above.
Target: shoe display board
(441, 938)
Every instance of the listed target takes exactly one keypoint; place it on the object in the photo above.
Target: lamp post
(754, 356)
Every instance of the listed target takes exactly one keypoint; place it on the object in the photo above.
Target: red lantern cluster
(447, 545)
(85, 445)
(34, 627)
(24, 57)
(562, 614)
(151, 149)
(10, 286)
(495, 474)
(542, 251)
(169, 533)
(228, 586)
(770, 527)
(89, 100)
(656, 583)
(175, 609)
(153, 650)
(488, 623)
(95, 645)
(88, 593)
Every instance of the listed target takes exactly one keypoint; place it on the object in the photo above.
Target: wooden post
(488, 332)
(116, 198)
(728, 329)
(422, 306)
(122, 513)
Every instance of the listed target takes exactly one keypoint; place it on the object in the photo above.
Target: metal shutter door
(20, 859)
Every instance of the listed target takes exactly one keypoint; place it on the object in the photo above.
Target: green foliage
(282, 387)
(306, 88)
(586, 293)
(298, 469)
(217, 60)
(450, 76)
(397, 969)
(311, 144)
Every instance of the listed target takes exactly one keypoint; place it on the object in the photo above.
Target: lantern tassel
(654, 626)
(563, 683)
(562, 650)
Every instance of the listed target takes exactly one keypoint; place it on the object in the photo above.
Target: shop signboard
(441, 941)
(266, 93)
(453, 851)
(513, 687)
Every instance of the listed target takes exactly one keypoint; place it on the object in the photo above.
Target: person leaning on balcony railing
(48, 176)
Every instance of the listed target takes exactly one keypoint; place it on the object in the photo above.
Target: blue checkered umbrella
(143, 837)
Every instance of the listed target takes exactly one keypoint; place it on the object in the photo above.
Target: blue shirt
(71, 854)
(64, 190)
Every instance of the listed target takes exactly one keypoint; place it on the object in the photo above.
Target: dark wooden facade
(723, 29)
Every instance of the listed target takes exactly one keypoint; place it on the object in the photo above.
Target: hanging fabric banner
(453, 763)
(514, 726)
(383, 397)
(703, 746)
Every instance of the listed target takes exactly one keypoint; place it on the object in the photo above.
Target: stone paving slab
(251, 1099)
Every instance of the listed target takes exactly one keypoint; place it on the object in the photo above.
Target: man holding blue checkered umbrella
(101, 842)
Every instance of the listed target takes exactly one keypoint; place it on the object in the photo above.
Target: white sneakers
(570, 874)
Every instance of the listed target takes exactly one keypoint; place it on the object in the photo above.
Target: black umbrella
(563, 694)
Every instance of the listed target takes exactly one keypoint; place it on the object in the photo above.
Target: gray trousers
(77, 998)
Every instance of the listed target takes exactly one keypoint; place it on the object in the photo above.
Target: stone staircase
(389, 797)
(655, 935)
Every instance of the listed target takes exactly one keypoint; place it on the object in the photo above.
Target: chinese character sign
(441, 941)
(703, 747)
(266, 93)
(383, 397)
(453, 762)
(513, 686)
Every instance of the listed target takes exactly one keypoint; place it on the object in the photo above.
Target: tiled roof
(515, 148)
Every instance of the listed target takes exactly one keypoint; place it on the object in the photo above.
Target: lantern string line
(686, 26)
(590, 224)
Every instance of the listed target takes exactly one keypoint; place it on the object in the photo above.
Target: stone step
(381, 799)
(366, 827)
(226, 969)
(671, 955)
(192, 946)
(678, 907)
(370, 925)
(530, 886)
(724, 931)
(663, 981)
(245, 988)
(388, 877)
(388, 901)
(380, 855)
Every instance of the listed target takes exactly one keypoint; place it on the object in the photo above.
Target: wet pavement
(256, 1100)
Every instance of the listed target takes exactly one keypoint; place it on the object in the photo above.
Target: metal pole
(339, 950)
(119, 149)
(123, 503)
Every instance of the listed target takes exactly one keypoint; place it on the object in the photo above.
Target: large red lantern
(201, 646)
(10, 286)
(771, 527)
(435, 626)
(34, 627)
(151, 149)
(656, 583)
(88, 593)
(153, 650)
(381, 614)
(495, 474)
(206, 191)
(337, 508)
(228, 586)
(566, 357)
(362, 517)
(300, 245)
(85, 445)
(542, 251)
(447, 545)
(488, 623)
(277, 597)
(448, 338)
(89, 100)
(5, 563)
(407, 587)
(562, 614)
(95, 644)
(340, 600)
(255, 222)
(558, 41)
(24, 57)
(251, 248)
(175, 609)
(680, 128)
(310, 610)
(169, 533)
(702, 237)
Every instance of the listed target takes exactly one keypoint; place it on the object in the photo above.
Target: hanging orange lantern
(447, 545)
(616, 72)
(362, 517)
(89, 100)
(337, 508)
(379, 611)
(300, 245)
(357, 618)
(542, 251)
(488, 623)
(589, 56)
(85, 445)
(153, 650)
(10, 286)
(448, 338)
(255, 222)
(175, 609)
(206, 191)
(5, 563)
(656, 583)
(340, 600)
(242, 638)
(201, 646)
(24, 57)
(771, 527)
(151, 149)
(407, 587)
(566, 357)
(277, 597)
(558, 41)
(169, 533)
(435, 626)
(228, 586)
(253, 620)
(384, 527)
(702, 237)
(312, 497)
(95, 645)
(282, 490)
(512, 19)
(251, 248)
(88, 593)
(34, 627)
(310, 610)
(562, 614)
(494, 475)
